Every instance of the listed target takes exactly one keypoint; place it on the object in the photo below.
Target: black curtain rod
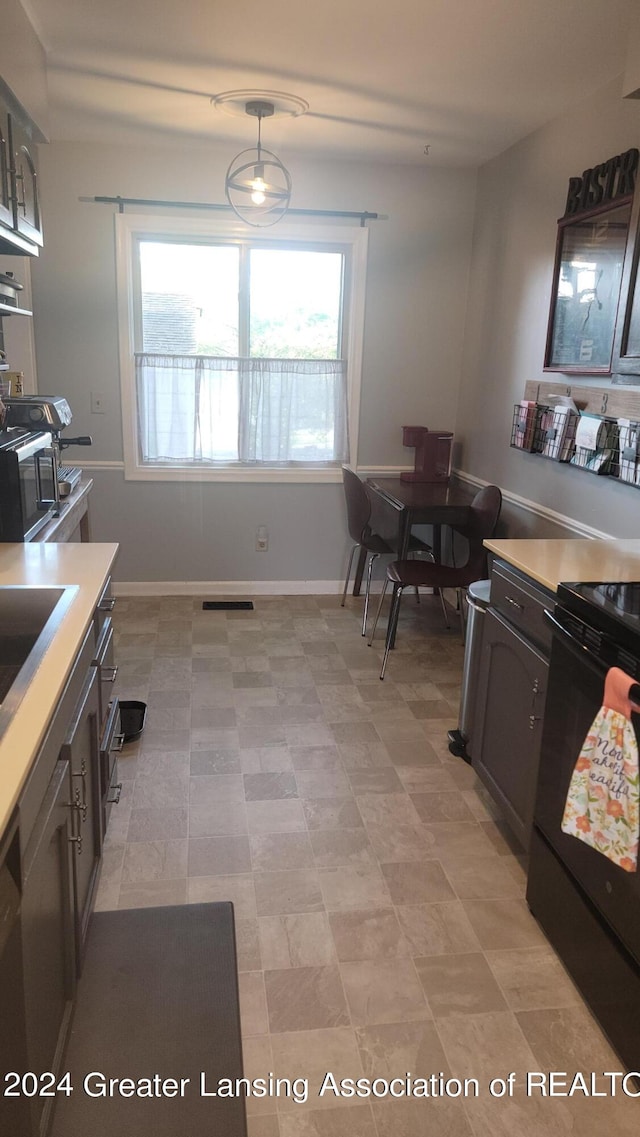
(363, 216)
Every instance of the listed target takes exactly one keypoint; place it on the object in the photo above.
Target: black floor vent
(227, 605)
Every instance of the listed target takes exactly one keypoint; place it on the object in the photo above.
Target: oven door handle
(581, 650)
(586, 655)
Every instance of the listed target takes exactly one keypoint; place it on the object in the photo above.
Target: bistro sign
(604, 184)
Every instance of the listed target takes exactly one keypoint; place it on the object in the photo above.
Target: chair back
(485, 511)
(358, 505)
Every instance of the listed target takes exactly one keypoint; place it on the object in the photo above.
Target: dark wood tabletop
(428, 503)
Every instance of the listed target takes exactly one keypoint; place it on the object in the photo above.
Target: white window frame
(129, 227)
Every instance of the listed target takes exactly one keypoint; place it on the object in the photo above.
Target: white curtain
(200, 410)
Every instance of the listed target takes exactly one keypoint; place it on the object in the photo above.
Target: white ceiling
(466, 77)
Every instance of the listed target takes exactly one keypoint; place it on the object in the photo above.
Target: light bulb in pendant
(258, 185)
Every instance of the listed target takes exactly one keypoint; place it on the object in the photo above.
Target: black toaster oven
(28, 483)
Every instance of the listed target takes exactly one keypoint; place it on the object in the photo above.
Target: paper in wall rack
(596, 444)
(545, 429)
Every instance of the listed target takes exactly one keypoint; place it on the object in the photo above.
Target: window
(240, 354)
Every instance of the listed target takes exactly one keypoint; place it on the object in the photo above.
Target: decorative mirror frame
(593, 232)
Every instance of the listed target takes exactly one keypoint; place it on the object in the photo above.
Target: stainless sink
(29, 619)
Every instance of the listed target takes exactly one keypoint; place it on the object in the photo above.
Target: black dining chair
(484, 514)
(358, 516)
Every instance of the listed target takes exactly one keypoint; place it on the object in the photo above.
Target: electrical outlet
(97, 403)
(262, 539)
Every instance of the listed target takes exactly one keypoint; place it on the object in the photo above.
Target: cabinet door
(81, 751)
(510, 703)
(48, 936)
(26, 201)
(6, 211)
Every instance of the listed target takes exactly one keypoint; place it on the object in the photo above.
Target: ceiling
(465, 77)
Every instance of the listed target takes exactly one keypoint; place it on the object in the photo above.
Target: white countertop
(552, 562)
(88, 566)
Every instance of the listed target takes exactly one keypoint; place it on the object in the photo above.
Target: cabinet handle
(76, 838)
(82, 804)
(118, 742)
(108, 674)
(20, 204)
(533, 719)
(107, 605)
(115, 791)
(514, 603)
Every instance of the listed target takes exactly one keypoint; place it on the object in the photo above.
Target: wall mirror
(589, 264)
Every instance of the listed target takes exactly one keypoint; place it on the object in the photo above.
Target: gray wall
(520, 196)
(416, 289)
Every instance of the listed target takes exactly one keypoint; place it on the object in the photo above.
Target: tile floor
(379, 899)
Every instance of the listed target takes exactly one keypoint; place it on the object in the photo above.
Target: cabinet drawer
(107, 669)
(521, 603)
(104, 607)
(110, 747)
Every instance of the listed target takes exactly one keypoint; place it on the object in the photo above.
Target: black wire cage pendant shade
(257, 184)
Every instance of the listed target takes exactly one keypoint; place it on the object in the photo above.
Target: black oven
(588, 906)
(28, 483)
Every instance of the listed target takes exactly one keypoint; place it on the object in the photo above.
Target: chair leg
(375, 622)
(444, 607)
(346, 583)
(372, 558)
(392, 625)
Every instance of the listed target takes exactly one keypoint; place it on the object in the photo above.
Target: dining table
(397, 506)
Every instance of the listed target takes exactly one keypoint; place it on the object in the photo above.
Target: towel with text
(603, 802)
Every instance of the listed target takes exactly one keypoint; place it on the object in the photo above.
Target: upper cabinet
(20, 218)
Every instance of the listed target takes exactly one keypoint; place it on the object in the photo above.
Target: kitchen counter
(85, 565)
(552, 562)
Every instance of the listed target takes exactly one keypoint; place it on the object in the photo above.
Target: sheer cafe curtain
(196, 410)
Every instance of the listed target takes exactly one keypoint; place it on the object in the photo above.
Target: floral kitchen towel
(603, 802)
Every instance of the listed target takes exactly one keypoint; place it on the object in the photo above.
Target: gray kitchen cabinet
(81, 750)
(20, 215)
(48, 937)
(511, 694)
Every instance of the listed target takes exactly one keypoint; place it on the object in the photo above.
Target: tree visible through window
(239, 353)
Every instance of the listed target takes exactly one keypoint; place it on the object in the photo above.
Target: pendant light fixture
(258, 185)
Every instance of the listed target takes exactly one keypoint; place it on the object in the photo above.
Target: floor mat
(158, 1000)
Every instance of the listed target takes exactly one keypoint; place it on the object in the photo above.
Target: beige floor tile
(414, 882)
(533, 979)
(265, 760)
(383, 991)
(298, 940)
(485, 1046)
(315, 757)
(161, 764)
(323, 784)
(253, 1005)
(157, 824)
(278, 851)
(257, 1062)
(154, 860)
(332, 847)
(305, 998)
(247, 944)
(403, 1118)
(269, 787)
(217, 819)
(437, 929)
(567, 1038)
(412, 752)
(216, 790)
(367, 934)
(279, 893)
(426, 779)
(503, 923)
(332, 813)
(311, 1055)
(483, 878)
(457, 838)
(356, 1122)
(387, 809)
(210, 856)
(353, 886)
(376, 781)
(275, 817)
(152, 893)
(238, 889)
(459, 985)
(441, 807)
(399, 842)
(364, 756)
(263, 1126)
(389, 1050)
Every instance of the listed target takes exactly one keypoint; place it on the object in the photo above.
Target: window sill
(264, 474)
